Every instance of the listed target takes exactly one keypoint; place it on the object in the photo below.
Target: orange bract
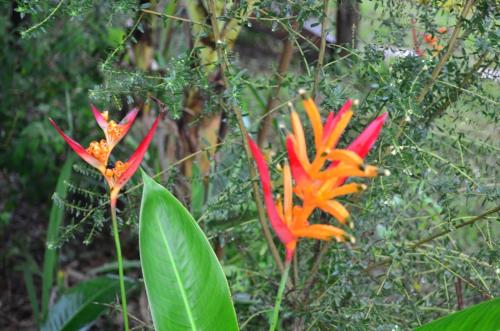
(319, 181)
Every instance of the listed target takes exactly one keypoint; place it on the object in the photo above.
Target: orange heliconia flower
(430, 39)
(320, 181)
(317, 183)
(442, 29)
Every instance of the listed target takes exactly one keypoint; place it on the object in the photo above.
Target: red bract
(97, 154)
(283, 233)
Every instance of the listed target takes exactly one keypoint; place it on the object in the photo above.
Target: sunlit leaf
(186, 287)
(482, 317)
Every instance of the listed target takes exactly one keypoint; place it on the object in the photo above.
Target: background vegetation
(414, 259)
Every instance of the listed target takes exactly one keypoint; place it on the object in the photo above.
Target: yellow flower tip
(349, 222)
(362, 187)
(108, 173)
(355, 102)
(114, 130)
(99, 150)
(279, 167)
(303, 93)
(384, 172)
(291, 107)
(105, 114)
(352, 239)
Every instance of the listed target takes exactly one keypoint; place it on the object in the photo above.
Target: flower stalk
(119, 257)
(115, 174)
(279, 296)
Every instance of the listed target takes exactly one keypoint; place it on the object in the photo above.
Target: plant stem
(314, 271)
(120, 263)
(224, 66)
(321, 56)
(279, 297)
(284, 63)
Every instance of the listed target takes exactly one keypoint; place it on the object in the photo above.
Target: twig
(437, 235)
(285, 59)
(322, 47)
(36, 26)
(450, 49)
(152, 12)
(261, 212)
(314, 271)
(460, 295)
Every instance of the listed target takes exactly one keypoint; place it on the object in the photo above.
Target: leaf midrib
(177, 276)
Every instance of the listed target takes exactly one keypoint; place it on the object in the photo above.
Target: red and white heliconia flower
(98, 152)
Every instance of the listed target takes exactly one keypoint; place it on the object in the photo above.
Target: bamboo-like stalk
(116, 236)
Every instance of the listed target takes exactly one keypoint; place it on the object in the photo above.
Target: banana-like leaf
(55, 223)
(82, 304)
(482, 317)
(185, 284)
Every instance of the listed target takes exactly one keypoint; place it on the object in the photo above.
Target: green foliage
(442, 150)
(82, 304)
(55, 223)
(175, 251)
(482, 317)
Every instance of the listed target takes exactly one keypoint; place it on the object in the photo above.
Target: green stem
(120, 264)
(279, 297)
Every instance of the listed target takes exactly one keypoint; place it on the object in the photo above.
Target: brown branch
(437, 235)
(224, 66)
(322, 47)
(285, 59)
(460, 294)
(450, 49)
(466, 81)
(314, 272)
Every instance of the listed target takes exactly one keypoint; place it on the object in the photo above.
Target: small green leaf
(82, 304)
(185, 284)
(482, 317)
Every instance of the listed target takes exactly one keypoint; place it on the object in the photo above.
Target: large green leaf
(185, 284)
(482, 317)
(55, 222)
(82, 304)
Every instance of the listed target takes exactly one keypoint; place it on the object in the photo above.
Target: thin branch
(36, 26)
(224, 66)
(314, 271)
(285, 59)
(445, 232)
(438, 235)
(322, 47)
(152, 12)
